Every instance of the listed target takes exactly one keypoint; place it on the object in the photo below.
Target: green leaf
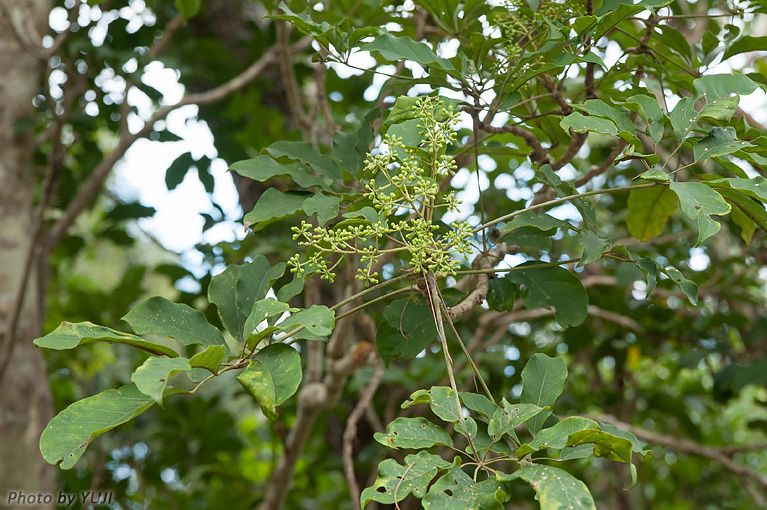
(501, 294)
(698, 203)
(581, 124)
(655, 174)
(262, 168)
(69, 336)
(543, 380)
(718, 142)
(598, 108)
(721, 109)
(273, 205)
(553, 287)
(177, 170)
(557, 436)
(408, 329)
(648, 211)
(541, 221)
(318, 322)
(395, 481)
(326, 207)
(235, 291)
(745, 44)
(305, 153)
(688, 287)
(444, 403)
(509, 416)
(583, 451)
(415, 433)
(351, 149)
(556, 489)
(478, 403)
(456, 490)
(206, 362)
(683, 117)
(262, 310)
(151, 378)
(593, 247)
(529, 237)
(70, 432)
(158, 316)
(714, 86)
(404, 48)
(636, 444)
(650, 111)
(188, 8)
(272, 377)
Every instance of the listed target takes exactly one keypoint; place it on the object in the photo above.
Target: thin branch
(350, 432)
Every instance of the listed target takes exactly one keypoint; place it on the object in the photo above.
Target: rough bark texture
(25, 399)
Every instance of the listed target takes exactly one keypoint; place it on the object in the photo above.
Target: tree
(610, 159)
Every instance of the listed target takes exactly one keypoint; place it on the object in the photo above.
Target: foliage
(597, 180)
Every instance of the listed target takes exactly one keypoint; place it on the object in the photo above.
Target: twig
(350, 432)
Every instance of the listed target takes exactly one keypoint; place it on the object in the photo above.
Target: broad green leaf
(648, 211)
(444, 403)
(636, 444)
(273, 205)
(598, 108)
(501, 294)
(565, 59)
(543, 380)
(408, 329)
(745, 44)
(583, 451)
(509, 416)
(553, 287)
(324, 206)
(581, 124)
(650, 111)
(158, 316)
(593, 247)
(236, 290)
(741, 219)
(404, 48)
(483, 442)
(262, 310)
(70, 432)
(272, 377)
(417, 397)
(655, 174)
(455, 490)
(351, 149)
(556, 489)
(683, 117)
(206, 362)
(478, 403)
(318, 322)
(721, 109)
(151, 378)
(714, 86)
(188, 8)
(540, 221)
(395, 481)
(404, 109)
(529, 237)
(698, 203)
(688, 287)
(557, 436)
(69, 336)
(718, 142)
(415, 433)
(305, 153)
(262, 168)
(605, 445)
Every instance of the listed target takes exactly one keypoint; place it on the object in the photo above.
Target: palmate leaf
(416, 433)
(151, 378)
(455, 490)
(274, 205)
(318, 322)
(69, 336)
(509, 416)
(408, 330)
(262, 168)
(698, 203)
(306, 153)
(404, 48)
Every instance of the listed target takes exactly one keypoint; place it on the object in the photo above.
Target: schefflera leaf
(69, 336)
(158, 316)
(70, 432)
(543, 380)
(649, 210)
(396, 481)
(553, 287)
(416, 433)
(272, 377)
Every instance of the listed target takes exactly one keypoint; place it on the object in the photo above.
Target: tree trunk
(25, 396)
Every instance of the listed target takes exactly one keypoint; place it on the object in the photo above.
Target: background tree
(679, 375)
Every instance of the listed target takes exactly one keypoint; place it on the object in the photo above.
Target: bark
(25, 399)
